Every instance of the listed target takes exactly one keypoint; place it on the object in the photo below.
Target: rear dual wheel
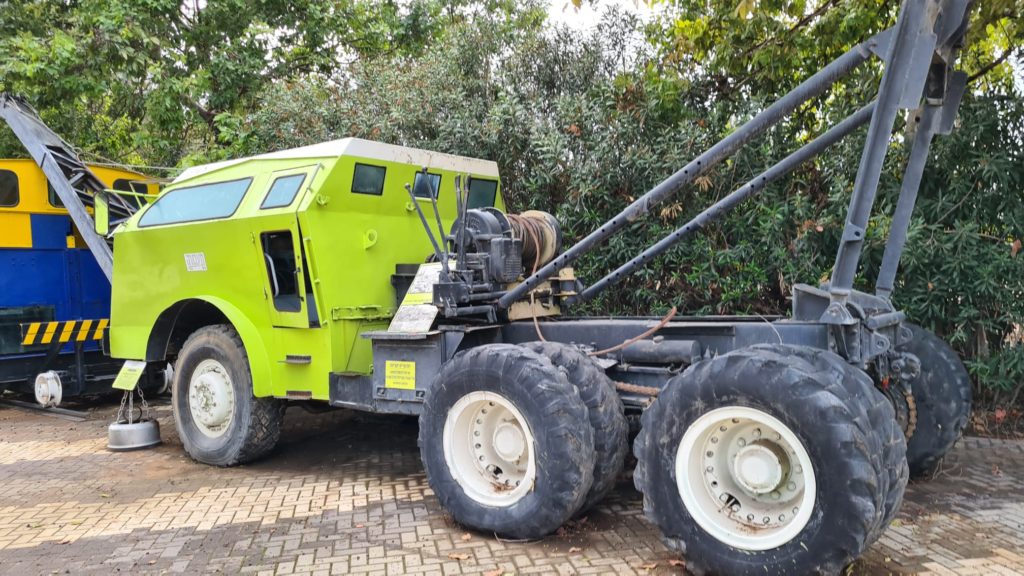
(504, 442)
(766, 459)
(942, 401)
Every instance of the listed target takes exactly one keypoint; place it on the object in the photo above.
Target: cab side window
(368, 179)
(51, 196)
(283, 191)
(126, 185)
(9, 194)
(435, 184)
(482, 193)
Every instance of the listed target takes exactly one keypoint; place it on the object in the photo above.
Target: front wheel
(760, 461)
(218, 419)
(505, 442)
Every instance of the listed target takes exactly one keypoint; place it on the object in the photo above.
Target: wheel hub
(211, 398)
(509, 442)
(758, 468)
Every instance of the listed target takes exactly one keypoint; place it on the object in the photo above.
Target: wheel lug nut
(791, 486)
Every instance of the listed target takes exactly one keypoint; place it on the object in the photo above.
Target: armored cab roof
(357, 148)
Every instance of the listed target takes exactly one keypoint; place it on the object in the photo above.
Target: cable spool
(540, 234)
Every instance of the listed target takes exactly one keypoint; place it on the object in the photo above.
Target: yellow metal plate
(399, 374)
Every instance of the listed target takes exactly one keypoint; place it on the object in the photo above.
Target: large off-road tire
(604, 409)
(889, 450)
(942, 394)
(730, 433)
(505, 442)
(219, 420)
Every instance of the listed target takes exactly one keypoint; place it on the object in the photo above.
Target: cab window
(51, 196)
(126, 185)
(435, 183)
(196, 203)
(283, 191)
(482, 192)
(368, 179)
(8, 189)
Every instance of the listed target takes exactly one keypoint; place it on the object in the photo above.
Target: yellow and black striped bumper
(67, 331)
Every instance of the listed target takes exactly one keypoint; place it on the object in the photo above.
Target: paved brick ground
(346, 494)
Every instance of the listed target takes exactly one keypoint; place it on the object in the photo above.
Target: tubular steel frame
(918, 51)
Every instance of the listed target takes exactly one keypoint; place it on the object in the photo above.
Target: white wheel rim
(745, 478)
(489, 449)
(211, 398)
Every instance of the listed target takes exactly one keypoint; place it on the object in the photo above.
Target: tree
(148, 80)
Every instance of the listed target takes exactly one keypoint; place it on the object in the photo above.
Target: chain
(145, 405)
(120, 410)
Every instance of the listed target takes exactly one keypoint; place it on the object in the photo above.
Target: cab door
(287, 285)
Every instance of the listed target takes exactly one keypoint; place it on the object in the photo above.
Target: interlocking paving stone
(345, 494)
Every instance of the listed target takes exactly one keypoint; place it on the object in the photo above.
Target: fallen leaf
(454, 556)
(359, 525)
(649, 566)
(497, 572)
(151, 562)
(466, 537)
(65, 541)
(675, 562)
(999, 415)
(75, 522)
(1014, 248)
(574, 550)
(819, 228)
(104, 495)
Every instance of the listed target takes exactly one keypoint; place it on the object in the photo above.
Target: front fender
(255, 345)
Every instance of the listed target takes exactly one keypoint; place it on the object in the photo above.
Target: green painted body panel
(351, 243)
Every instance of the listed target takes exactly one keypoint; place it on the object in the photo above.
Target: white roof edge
(362, 149)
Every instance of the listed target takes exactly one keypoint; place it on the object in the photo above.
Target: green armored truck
(388, 279)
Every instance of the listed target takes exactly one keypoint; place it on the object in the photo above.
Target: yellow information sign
(129, 375)
(399, 374)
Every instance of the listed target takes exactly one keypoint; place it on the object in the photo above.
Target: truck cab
(295, 250)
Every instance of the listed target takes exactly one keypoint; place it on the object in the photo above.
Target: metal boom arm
(918, 51)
